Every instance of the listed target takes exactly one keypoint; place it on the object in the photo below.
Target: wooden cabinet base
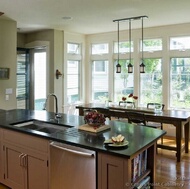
(25, 161)
(116, 172)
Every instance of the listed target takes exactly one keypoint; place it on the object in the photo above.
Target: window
(100, 67)
(179, 43)
(73, 73)
(100, 48)
(73, 48)
(151, 45)
(100, 80)
(124, 82)
(22, 90)
(151, 82)
(73, 78)
(180, 83)
(124, 47)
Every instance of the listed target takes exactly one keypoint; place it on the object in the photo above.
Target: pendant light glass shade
(118, 68)
(142, 68)
(130, 68)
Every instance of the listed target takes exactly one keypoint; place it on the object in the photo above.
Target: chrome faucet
(57, 115)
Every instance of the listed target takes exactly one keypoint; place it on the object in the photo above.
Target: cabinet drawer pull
(21, 159)
(73, 151)
(25, 160)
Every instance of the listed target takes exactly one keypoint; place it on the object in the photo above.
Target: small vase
(124, 103)
(135, 103)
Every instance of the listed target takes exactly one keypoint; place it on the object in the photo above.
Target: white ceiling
(92, 16)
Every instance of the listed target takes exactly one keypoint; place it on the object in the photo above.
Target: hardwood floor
(169, 173)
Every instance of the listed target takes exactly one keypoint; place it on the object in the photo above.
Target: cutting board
(89, 128)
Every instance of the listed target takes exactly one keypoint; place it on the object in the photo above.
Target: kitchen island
(116, 167)
(180, 119)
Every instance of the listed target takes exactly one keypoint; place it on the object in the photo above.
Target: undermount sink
(41, 126)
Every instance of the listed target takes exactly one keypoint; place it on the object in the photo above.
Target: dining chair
(152, 105)
(70, 109)
(155, 124)
(136, 117)
(140, 119)
(126, 104)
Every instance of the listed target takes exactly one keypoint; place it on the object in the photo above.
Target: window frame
(99, 44)
(73, 57)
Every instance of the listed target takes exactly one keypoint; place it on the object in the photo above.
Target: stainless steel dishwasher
(72, 167)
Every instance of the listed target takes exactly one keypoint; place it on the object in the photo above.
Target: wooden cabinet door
(25, 160)
(15, 172)
(37, 171)
(110, 172)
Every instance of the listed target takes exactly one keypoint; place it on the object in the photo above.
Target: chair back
(70, 109)
(136, 117)
(152, 105)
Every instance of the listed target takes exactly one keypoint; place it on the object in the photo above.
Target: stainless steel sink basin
(41, 126)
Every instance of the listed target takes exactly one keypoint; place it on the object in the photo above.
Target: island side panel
(116, 172)
(151, 162)
(110, 172)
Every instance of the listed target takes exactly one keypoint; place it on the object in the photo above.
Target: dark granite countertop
(139, 137)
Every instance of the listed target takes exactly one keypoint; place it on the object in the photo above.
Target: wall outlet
(6, 97)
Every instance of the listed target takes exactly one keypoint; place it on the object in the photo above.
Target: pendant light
(130, 66)
(118, 66)
(142, 66)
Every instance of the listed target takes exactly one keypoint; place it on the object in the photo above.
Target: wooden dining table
(180, 119)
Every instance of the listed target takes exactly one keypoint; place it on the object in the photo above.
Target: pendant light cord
(118, 40)
(130, 41)
(142, 41)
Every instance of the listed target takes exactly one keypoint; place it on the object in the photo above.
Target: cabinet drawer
(24, 140)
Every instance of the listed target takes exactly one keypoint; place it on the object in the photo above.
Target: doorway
(39, 78)
(23, 79)
(31, 78)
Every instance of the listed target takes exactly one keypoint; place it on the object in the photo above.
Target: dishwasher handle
(72, 151)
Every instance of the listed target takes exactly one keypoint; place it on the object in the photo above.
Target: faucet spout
(56, 104)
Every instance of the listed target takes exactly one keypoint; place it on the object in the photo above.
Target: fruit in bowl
(119, 139)
(95, 119)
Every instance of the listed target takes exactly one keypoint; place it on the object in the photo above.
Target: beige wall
(8, 32)
(58, 64)
(21, 40)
